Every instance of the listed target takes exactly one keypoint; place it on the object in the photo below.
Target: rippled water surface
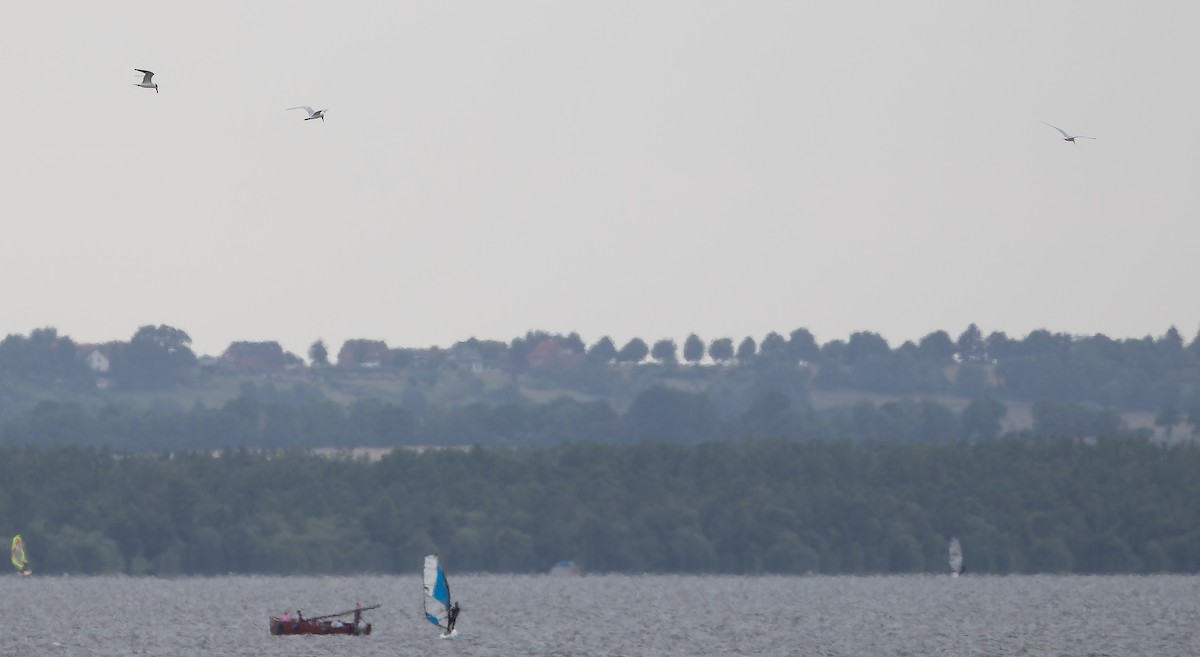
(613, 615)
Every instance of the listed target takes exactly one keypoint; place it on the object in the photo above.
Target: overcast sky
(623, 168)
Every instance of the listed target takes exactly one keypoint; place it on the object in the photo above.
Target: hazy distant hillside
(530, 390)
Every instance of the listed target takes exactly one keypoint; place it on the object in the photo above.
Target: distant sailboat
(19, 559)
(437, 596)
(956, 558)
(566, 569)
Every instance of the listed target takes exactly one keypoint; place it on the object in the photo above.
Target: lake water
(691, 616)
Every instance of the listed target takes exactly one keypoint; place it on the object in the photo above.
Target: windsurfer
(452, 618)
(357, 612)
(18, 556)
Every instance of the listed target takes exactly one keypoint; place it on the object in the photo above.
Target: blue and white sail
(437, 593)
(956, 558)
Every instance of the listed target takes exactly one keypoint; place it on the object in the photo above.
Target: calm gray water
(613, 615)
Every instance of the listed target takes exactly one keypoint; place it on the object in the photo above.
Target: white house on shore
(97, 361)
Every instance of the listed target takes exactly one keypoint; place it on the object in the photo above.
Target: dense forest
(1019, 505)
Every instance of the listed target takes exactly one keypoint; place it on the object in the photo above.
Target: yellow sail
(18, 555)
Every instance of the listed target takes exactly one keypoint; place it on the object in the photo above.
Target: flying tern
(146, 80)
(312, 113)
(1067, 137)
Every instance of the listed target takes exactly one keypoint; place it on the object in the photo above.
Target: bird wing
(1064, 132)
(149, 74)
(1083, 137)
(306, 108)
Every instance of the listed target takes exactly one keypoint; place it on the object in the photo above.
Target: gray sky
(622, 168)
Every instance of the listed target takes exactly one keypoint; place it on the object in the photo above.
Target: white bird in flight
(146, 80)
(312, 113)
(1067, 137)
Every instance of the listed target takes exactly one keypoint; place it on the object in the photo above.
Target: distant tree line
(1019, 505)
(1145, 373)
(1157, 374)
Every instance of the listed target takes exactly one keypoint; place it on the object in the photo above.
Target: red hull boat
(306, 626)
(327, 624)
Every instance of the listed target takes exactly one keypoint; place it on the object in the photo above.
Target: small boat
(437, 596)
(956, 558)
(326, 624)
(19, 560)
(566, 569)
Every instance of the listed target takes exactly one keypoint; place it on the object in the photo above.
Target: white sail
(956, 558)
